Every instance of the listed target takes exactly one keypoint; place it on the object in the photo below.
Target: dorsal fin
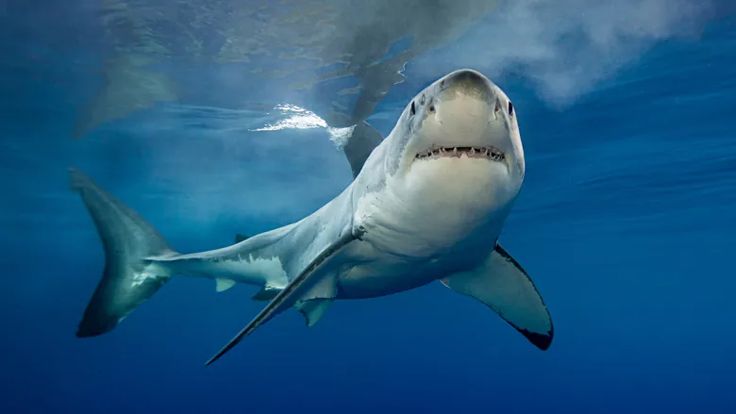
(360, 145)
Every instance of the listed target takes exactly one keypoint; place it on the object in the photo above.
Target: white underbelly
(444, 216)
(382, 273)
(369, 272)
(440, 205)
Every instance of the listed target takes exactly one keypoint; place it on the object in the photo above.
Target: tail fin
(128, 280)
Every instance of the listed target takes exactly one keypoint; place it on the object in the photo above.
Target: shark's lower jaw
(490, 153)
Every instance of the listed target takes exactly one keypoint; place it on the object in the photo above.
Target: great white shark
(427, 204)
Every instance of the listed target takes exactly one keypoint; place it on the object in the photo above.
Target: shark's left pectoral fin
(303, 287)
(502, 284)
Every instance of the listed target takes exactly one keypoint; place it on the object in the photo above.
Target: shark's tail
(128, 279)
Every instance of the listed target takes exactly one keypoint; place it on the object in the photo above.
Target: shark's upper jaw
(486, 152)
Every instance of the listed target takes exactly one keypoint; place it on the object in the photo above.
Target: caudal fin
(128, 280)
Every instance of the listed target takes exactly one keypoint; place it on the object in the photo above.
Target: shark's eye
(511, 108)
(413, 109)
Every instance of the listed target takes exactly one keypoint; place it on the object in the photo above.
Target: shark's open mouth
(491, 153)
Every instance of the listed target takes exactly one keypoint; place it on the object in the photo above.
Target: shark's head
(458, 141)
(462, 116)
(454, 163)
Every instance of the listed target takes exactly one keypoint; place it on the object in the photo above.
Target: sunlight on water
(296, 117)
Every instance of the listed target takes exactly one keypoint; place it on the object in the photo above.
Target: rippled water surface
(213, 118)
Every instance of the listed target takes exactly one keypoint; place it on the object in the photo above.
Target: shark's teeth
(491, 153)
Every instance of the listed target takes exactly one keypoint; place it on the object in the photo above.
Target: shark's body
(428, 203)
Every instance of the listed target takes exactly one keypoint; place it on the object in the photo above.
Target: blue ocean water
(625, 220)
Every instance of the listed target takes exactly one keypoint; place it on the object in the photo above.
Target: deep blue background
(626, 222)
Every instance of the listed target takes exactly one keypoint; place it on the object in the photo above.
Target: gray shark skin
(428, 204)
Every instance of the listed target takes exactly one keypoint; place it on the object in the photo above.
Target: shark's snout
(467, 82)
(467, 76)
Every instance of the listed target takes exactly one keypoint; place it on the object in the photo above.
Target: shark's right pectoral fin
(502, 284)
